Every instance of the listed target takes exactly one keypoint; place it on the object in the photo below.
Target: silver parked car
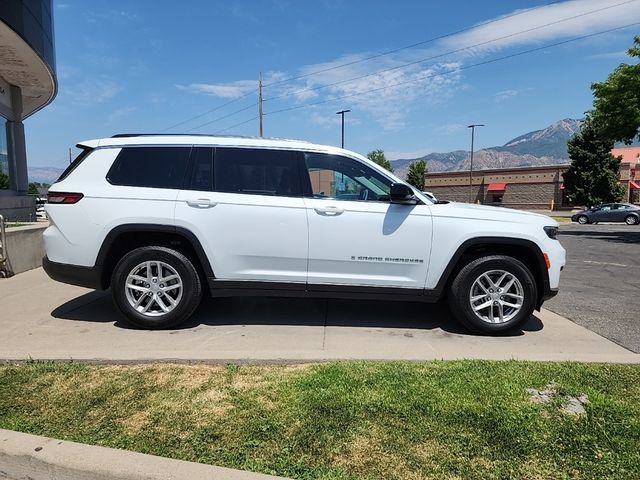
(609, 212)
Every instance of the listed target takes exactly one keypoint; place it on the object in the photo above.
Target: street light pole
(341, 113)
(473, 131)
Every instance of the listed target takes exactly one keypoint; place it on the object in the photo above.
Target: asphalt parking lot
(600, 285)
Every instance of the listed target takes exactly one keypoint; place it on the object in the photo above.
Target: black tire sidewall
(461, 287)
(191, 292)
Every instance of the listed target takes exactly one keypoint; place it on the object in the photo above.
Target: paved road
(600, 286)
(62, 322)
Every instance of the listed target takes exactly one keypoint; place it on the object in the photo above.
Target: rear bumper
(89, 277)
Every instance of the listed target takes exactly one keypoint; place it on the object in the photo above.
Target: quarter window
(257, 172)
(341, 178)
(159, 167)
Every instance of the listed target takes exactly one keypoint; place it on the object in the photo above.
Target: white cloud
(332, 120)
(398, 154)
(449, 129)
(120, 113)
(224, 90)
(389, 96)
(621, 55)
(90, 92)
(528, 21)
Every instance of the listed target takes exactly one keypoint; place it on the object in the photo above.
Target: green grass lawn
(350, 420)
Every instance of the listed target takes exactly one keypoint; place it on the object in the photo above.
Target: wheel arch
(127, 237)
(522, 249)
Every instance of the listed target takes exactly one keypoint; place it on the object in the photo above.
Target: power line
(335, 67)
(467, 67)
(237, 125)
(253, 105)
(209, 111)
(405, 65)
(407, 47)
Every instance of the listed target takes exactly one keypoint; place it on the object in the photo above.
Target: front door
(356, 236)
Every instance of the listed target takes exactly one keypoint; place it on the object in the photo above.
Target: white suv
(160, 218)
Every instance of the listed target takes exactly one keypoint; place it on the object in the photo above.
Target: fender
(150, 227)
(538, 259)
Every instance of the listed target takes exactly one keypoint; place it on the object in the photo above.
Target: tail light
(64, 197)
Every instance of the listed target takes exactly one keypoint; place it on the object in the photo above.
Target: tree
(593, 175)
(417, 171)
(378, 157)
(617, 100)
(33, 188)
(4, 179)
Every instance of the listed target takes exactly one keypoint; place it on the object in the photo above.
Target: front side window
(341, 178)
(257, 172)
(158, 167)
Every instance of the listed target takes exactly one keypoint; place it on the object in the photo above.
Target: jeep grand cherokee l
(159, 219)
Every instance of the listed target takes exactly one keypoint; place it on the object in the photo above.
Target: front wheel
(631, 220)
(156, 287)
(583, 219)
(493, 294)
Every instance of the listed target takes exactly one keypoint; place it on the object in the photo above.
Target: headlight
(552, 232)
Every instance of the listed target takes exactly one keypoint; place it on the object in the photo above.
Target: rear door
(246, 207)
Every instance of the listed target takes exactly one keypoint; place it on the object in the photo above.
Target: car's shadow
(97, 307)
(632, 235)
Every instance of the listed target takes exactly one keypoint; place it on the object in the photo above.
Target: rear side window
(159, 167)
(257, 172)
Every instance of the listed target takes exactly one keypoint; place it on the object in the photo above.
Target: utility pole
(473, 131)
(341, 113)
(260, 114)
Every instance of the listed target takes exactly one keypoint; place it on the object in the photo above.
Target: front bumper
(89, 277)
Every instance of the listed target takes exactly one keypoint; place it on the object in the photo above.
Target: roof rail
(127, 135)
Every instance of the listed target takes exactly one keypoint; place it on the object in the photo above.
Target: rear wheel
(493, 294)
(156, 287)
(631, 220)
(583, 219)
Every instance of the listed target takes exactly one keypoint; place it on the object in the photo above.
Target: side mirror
(401, 193)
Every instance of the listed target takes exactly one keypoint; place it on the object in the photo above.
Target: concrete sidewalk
(42, 319)
(24, 456)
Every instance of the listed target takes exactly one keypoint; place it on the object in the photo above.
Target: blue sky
(147, 65)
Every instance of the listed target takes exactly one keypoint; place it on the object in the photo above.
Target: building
(27, 84)
(530, 188)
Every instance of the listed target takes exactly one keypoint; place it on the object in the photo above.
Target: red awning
(497, 187)
(562, 186)
(634, 185)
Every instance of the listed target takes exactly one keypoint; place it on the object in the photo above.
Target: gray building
(27, 84)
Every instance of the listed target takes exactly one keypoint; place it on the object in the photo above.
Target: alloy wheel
(496, 296)
(153, 288)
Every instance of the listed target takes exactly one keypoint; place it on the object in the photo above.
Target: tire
(180, 292)
(583, 219)
(464, 289)
(631, 220)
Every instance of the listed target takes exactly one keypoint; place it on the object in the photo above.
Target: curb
(24, 456)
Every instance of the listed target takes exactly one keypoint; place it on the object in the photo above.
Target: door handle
(201, 203)
(329, 211)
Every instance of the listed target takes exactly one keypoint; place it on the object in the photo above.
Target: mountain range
(540, 147)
